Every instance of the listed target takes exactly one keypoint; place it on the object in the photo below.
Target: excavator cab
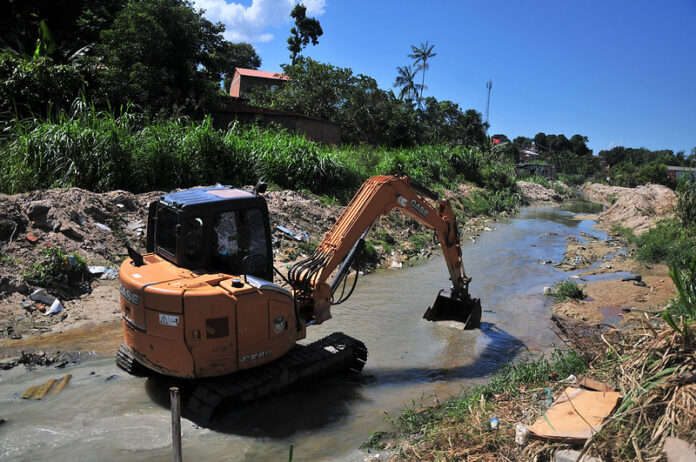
(212, 230)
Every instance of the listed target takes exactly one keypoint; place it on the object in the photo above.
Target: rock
(37, 211)
(640, 284)
(677, 450)
(571, 455)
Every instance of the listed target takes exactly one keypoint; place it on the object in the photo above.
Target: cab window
(167, 227)
(239, 242)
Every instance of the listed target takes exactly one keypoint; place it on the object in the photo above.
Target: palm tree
(421, 56)
(405, 81)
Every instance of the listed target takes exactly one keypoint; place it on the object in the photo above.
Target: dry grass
(653, 367)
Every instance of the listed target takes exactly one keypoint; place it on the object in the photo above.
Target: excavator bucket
(454, 307)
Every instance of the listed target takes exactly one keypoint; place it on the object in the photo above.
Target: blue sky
(621, 72)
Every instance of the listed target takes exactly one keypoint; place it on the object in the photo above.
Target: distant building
(526, 155)
(546, 170)
(314, 129)
(675, 173)
(245, 80)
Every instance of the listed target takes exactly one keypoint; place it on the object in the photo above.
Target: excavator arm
(377, 197)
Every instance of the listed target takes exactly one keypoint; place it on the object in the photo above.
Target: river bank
(614, 335)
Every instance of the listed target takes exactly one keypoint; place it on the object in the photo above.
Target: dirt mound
(602, 193)
(94, 225)
(535, 192)
(639, 208)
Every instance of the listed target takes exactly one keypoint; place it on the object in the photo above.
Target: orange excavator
(201, 305)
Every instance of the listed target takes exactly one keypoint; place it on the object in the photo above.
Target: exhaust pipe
(450, 306)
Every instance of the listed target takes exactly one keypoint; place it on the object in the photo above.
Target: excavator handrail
(377, 197)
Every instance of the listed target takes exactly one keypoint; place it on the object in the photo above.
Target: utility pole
(489, 85)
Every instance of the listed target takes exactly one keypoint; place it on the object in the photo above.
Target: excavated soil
(635, 208)
(534, 192)
(96, 226)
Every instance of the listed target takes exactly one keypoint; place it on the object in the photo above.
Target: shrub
(567, 289)
(59, 271)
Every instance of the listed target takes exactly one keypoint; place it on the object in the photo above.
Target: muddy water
(106, 414)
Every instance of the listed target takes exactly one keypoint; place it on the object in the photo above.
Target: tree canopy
(305, 30)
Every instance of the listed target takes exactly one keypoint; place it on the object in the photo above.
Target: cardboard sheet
(576, 414)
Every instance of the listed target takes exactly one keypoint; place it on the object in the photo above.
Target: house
(675, 173)
(314, 129)
(245, 80)
(542, 169)
(527, 154)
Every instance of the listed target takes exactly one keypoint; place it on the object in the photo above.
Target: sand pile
(535, 192)
(639, 208)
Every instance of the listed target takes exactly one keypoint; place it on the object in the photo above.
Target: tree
(365, 113)
(71, 25)
(540, 142)
(421, 55)
(405, 81)
(235, 55)
(444, 122)
(305, 30)
(162, 56)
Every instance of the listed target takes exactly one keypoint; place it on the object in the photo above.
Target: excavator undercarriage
(335, 355)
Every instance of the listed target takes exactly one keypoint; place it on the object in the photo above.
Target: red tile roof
(262, 74)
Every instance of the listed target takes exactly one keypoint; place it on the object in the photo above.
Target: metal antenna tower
(489, 85)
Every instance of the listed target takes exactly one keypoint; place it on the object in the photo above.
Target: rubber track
(332, 355)
(125, 360)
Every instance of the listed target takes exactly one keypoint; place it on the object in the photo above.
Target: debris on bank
(51, 388)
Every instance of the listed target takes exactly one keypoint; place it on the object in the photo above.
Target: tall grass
(102, 151)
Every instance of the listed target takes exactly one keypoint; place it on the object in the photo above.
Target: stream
(105, 414)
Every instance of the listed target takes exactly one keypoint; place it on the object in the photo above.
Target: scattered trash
(40, 391)
(494, 423)
(548, 291)
(96, 270)
(133, 225)
(396, 264)
(109, 274)
(521, 434)
(102, 226)
(56, 307)
(40, 295)
(640, 284)
(27, 305)
(594, 385)
(633, 277)
(570, 379)
(32, 239)
(288, 232)
(576, 415)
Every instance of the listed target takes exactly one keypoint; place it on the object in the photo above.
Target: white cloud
(252, 23)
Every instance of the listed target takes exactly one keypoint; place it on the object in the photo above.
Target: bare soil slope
(635, 208)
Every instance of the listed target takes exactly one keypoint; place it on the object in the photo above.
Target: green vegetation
(96, 150)
(511, 380)
(305, 30)
(59, 270)
(672, 240)
(564, 290)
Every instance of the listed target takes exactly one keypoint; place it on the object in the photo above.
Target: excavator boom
(377, 197)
